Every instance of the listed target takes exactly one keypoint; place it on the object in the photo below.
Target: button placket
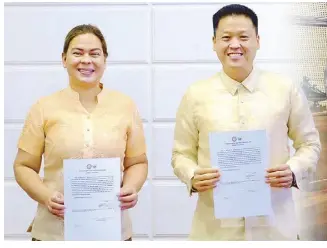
(88, 136)
(241, 105)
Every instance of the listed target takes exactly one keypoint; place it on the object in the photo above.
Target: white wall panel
(170, 83)
(39, 32)
(173, 209)
(133, 81)
(192, 29)
(183, 33)
(163, 137)
(141, 215)
(274, 30)
(25, 85)
(19, 209)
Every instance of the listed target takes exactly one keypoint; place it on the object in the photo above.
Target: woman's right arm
(27, 168)
(28, 162)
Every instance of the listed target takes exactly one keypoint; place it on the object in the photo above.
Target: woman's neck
(87, 92)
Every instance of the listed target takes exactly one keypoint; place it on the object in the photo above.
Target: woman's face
(84, 60)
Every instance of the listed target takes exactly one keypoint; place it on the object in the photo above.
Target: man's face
(236, 42)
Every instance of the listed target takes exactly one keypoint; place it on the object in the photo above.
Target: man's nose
(234, 43)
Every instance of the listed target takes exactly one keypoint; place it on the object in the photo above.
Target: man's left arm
(305, 136)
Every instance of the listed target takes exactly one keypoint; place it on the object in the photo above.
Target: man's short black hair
(234, 9)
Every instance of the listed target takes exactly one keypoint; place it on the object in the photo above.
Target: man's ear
(258, 41)
(213, 42)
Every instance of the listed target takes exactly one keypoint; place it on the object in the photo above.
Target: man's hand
(128, 198)
(205, 179)
(279, 176)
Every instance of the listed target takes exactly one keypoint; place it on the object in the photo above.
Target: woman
(85, 120)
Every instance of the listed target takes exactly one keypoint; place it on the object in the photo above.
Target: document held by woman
(92, 208)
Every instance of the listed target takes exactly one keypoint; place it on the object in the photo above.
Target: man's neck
(238, 74)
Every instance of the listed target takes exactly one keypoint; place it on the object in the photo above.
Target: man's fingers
(278, 174)
(279, 180)
(280, 185)
(207, 176)
(202, 171)
(128, 198)
(128, 205)
(126, 191)
(281, 167)
(206, 183)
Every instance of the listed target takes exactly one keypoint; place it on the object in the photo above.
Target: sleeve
(305, 138)
(185, 144)
(136, 144)
(32, 137)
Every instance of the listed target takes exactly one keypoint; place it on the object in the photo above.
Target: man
(242, 97)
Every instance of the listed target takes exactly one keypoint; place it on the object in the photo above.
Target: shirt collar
(232, 86)
(74, 95)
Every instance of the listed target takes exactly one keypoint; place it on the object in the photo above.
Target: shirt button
(88, 129)
(87, 145)
(88, 117)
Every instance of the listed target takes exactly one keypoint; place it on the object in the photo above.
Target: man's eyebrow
(229, 32)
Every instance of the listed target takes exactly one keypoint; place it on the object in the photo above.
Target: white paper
(92, 211)
(242, 158)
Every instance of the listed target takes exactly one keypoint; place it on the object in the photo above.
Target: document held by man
(242, 159)
(92, 210)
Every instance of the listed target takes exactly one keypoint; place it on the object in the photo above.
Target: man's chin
(235, 66)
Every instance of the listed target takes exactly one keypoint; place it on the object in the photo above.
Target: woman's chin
(89, 81)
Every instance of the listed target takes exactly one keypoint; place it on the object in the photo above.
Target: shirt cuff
(302, 177)
(189, 186)
(294, 183)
